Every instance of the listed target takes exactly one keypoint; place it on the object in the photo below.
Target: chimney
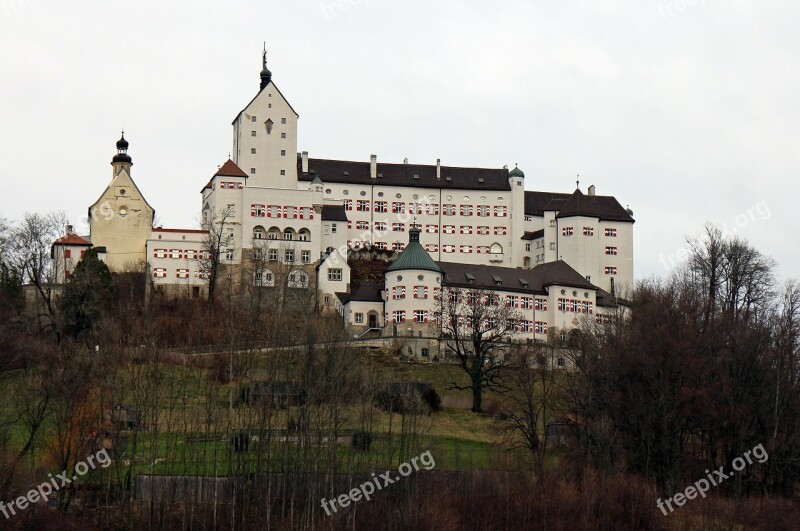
(438, 169)
(373, 166)
(405, 160)
(69, 229)
(304, 163)
(591, 190)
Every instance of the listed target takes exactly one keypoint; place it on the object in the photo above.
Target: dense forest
(231, 414)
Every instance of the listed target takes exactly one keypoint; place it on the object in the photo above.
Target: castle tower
(265, 137)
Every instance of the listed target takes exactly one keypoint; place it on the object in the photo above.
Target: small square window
(252, 171)
(283, 153)
(252, 133)
(283, 135)
(253, 151)
(283, 172)
(252, 118)
(269, 105)
(283, 120)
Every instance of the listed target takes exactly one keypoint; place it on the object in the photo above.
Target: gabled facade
(121, 219)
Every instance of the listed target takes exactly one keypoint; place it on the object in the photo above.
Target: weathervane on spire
(266, 75)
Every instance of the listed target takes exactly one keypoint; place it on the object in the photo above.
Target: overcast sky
(686, 110)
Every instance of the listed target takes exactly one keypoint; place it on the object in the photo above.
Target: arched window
(258, 233)
(496, 248)
(274, 233)
(263, 278)
(288, 233)
(304, 235)
(298, 279)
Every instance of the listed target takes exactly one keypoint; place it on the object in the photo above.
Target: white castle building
(290, 221)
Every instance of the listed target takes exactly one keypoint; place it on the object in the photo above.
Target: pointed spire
(266, 75)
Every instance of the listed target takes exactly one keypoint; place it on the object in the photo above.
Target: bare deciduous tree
(30, 247)
(477, 325)
(218, 247)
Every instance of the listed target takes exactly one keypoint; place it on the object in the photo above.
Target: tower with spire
(265, 136)
(121, 161)
(121, 219)
(266, 75)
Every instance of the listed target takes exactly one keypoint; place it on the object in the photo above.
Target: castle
(285, 220)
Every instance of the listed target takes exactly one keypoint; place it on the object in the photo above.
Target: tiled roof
(604, 207)
(513, 279)
(72, 239)
(334, 213)
(370, 292)
(535, 235)
(230, 169)
(536, 203)
(414, 175)
(594, 206)
(605, 299)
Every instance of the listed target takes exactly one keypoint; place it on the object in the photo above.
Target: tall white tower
(265, 137)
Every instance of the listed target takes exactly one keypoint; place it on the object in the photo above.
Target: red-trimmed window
(611, 250)
(466, 229)
(398, 208)
(380, 206)
(611, 233)
(466, 210)
(483, 211)
(448, 210)
(567, 231)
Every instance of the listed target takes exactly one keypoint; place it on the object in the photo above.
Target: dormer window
(470, 278)
(497, 280)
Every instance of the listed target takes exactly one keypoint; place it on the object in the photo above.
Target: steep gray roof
(414, 175)
(513, 279)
